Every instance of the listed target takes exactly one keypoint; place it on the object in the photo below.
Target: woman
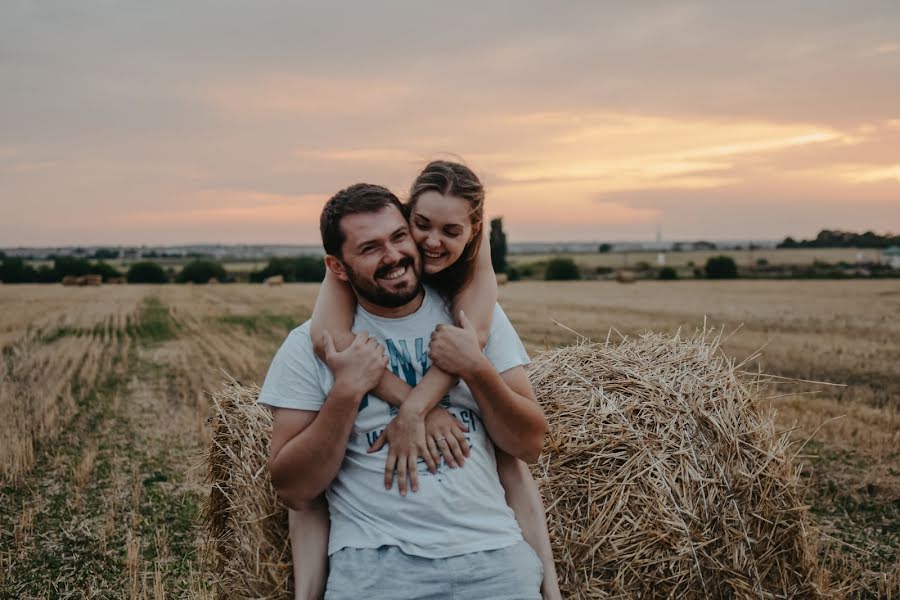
(446, 214)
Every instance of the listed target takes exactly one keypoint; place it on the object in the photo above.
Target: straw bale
(662, 474)
(245, 521)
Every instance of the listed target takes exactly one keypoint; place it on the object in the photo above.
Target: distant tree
(106, 253)
(721, 267)
(762, 262)
(14, 270)
(513, 273)
(301, 268)
(105, 270)
(498, 245)
(310, 269)
(201, 271)
(561, 269)
(146, 272)
(668, 274)
(46, 274)
(788, 242)
(71, 266)
(604, 248)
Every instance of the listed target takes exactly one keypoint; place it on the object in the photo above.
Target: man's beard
(373, 292)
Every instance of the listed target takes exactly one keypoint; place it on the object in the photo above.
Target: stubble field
(104, 401)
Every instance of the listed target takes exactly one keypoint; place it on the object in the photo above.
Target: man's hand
(358, 368)
(455, 350)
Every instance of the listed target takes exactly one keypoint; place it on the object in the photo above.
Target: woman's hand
(445, 437)
(409, 436)
(456, 350)
(405, 438)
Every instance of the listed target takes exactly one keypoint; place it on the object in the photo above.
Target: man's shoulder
(299, 341)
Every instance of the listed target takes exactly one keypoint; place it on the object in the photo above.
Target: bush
(146, 272)
(513, 273)
(668, 274)
(526, 270)
(762, 262)
(201, 271)
(562, 269)
(721, 267)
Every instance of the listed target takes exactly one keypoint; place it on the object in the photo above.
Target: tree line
(835, 238)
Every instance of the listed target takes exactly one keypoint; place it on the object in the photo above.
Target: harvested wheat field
(105, 396)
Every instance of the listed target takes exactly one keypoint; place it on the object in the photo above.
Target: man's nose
(392, 254)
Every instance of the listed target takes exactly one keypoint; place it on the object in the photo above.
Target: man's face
(380, 258)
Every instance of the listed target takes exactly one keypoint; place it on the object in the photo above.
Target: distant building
(891, 256)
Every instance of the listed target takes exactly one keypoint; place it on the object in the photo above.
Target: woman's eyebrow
(421, 216)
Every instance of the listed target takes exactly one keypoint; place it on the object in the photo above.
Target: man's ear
(335, 265)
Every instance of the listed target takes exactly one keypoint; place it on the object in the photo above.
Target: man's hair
(358, 198)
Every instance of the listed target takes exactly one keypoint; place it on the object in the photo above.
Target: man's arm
(308, 446)
(506, 401)
(509, 410)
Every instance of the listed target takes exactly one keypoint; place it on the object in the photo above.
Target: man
(455, 536)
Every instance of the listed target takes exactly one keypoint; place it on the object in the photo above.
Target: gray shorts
(513, 573)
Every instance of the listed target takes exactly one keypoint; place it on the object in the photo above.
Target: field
(104, 401)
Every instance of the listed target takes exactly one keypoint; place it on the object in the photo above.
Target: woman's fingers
(401, 476)
(412, 461)
(389, 467)
(427, 456)
(433, 450)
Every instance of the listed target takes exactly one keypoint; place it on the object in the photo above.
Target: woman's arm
(308, 528)
(523, 497)
(334, 310)
(479, 296)
(477, 299)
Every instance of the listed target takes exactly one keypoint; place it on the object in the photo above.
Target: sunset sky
(233, 122)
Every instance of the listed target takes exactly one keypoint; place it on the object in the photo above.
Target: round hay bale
(662, 474)
(625, 276)
(664, 477)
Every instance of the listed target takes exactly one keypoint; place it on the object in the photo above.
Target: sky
(233, 122)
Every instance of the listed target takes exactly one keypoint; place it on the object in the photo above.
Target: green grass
(262, 322)
(154, 323)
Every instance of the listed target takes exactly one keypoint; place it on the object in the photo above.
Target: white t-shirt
(455, 511)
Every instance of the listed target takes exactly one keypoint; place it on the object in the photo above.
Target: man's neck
(393, 313)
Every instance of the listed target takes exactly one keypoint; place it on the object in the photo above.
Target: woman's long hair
(453, 179)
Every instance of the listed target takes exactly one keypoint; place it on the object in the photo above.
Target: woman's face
(441, 228)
